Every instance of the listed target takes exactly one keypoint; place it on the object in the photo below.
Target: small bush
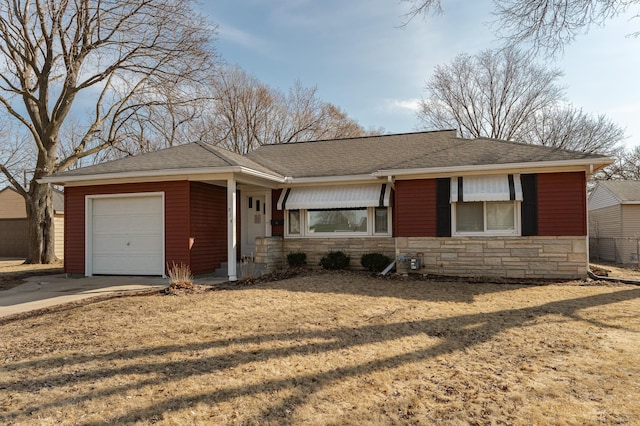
(375, 262)
(180, 276)
(297, 259)
(335, 260)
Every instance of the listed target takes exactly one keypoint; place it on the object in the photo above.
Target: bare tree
(493, 94)
(570, 128)
(549, 25)
(107, 57)
(503, 94)
(246, 114)
(625, 167)
(546, 25)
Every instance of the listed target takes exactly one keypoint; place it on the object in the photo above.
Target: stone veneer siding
(269, 253)
(272, 251)
(505, 257)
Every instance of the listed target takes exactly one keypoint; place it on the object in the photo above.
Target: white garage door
(127, 235)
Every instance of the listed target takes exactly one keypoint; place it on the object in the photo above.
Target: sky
(361, 58)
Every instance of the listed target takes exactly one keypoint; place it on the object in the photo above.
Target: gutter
(520, 167)
(161, 173)
(332, 179)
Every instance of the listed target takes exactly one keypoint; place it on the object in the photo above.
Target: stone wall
(316, 248)
(272, 251)
(269, 253)
(507, 257)
(504, 257)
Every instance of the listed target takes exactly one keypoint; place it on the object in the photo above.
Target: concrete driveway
(50, 290)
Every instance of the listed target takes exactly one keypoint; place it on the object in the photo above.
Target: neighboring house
(614, 221)
(14, 240)
(461, 207)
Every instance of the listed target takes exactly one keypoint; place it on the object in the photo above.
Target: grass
(14, 271)
(332, 348)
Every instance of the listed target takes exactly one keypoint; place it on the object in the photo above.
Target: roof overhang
(323, 180)
(589, 165)
(207, 173)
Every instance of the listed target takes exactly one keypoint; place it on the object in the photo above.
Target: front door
(254, 221)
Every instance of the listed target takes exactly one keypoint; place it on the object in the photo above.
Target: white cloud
(402, 105)
(243, 38)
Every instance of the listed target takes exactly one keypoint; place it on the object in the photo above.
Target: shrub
(375, 262)
(335, 260)
(297, 259)
(180, 274)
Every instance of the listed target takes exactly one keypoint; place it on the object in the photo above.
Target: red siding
(74, 230)
(176, 219)
(276, 230)
(562, 204)
(415, 208)
(208, 227)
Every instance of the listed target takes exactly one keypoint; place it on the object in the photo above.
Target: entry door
(253, 222)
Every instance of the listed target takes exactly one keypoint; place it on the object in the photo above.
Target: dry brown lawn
(13, 271)
(331, 349)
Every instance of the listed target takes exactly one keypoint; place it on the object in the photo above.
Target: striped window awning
(486, 188)
(335, 197)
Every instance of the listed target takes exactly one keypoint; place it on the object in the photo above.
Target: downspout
(612, 279)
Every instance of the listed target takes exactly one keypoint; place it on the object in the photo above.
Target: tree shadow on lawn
(451, 334)
(463, 290)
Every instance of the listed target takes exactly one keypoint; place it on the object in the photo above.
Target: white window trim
(304, 232)
(517, 231)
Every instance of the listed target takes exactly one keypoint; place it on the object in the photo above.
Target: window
(347, 220)
(485, 217)
(365, 221)
(381, 220)
(294, 222)
(486, 205)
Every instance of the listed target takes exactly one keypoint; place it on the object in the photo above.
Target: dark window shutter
(443, 207)
(529, 207)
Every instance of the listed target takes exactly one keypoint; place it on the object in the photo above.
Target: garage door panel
(143, 224)
(127, 235)
(124, 264)
(126, 205)
(132, 244)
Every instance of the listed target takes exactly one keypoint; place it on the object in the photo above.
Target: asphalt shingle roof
(342, 157)
(624, 190)
(189, 156)
(404, 151)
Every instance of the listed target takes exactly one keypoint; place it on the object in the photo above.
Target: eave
(207, 173)
(589, 165)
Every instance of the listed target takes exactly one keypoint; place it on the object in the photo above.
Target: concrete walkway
(50, 290)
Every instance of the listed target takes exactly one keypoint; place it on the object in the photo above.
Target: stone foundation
(269, 253)
(505, 257)
(316, 248)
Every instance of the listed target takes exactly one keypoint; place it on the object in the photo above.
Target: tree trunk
(40, 224)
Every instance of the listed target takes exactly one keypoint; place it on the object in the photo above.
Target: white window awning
(486, 188)
(335, 197)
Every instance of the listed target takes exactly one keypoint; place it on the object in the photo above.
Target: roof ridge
(360, 137)
(212, 149)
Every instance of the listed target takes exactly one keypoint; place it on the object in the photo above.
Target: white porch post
(232, 237)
